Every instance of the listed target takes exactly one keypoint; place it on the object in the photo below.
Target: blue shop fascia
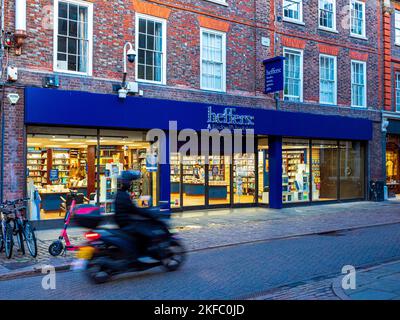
(83, 140)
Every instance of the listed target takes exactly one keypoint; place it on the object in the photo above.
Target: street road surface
(238, 271)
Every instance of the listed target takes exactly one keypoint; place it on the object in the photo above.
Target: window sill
(222, 3)
(359, 107)
(327, 29)
(160, 83)
(356, 36)
(301, 23)
(213, 90)
(73, 73)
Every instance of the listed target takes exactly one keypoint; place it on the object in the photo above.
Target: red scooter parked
(58, 246)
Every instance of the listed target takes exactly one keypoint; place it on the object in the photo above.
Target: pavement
(226, 228)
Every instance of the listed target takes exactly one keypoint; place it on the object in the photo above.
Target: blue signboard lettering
(273, 74)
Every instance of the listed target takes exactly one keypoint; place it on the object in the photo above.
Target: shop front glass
(176, 185)
(352, 170)
(219, 180)
(295, 170)
(244, 178)
(63, 159)
(324, 163)
(193, 180)
(392, 165)
(263, 171)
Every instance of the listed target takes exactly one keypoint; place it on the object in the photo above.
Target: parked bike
(104, 255)
(15, 224)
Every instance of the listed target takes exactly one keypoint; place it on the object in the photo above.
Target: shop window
(352, 174)
(213, 64)
(327, 79)
(296, 170)
(324, 166)
(244, 178)
(357, 18)
(397, 27)
(63, 159)
(293, 75)
(263, 171)
(358, 83)
(73, 32)
(397, 92)
(176, 185)
(151, 46)
(57, 161)
(327, 14)
(292, 10)
(194, 180)
(219, 180)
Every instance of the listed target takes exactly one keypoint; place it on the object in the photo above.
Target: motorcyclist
(130, 218)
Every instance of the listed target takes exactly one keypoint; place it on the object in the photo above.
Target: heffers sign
(273, 74)
(229, 119)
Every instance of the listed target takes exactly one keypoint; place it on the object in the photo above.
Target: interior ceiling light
(60, 139)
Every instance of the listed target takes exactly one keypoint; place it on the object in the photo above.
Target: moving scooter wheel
(176, 256)
(96, 274)
(56, 248)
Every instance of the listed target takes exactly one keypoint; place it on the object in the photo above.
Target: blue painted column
(165, 178)
(275, 171)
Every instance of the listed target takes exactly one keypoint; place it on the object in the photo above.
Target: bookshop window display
(336, 167)
(86, 160)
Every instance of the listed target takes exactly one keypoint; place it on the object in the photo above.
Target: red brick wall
(246, 21)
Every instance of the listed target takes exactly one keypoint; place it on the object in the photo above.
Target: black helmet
(126, 177)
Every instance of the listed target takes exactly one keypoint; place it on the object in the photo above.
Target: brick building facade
(255, 30)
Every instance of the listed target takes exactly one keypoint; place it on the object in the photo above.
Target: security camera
(131, 54)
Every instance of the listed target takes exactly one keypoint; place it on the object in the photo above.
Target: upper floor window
(397, 92)
(293, 10)
(73, 39)
(213, 60)
(151, 47)
(327, 79)
(293, 75)
(357, 18)
(327, 14)
(358, 83)
(397, 27)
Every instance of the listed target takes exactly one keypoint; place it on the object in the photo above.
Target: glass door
(194, 181)
(263, 171)
(219, 180)
(244, 178)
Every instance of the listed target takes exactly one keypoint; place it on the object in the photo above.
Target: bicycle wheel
(30, 239)
(8, 241)
(20, 239)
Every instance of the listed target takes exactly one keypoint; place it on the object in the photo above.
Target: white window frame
(364, 64)
(221, 2)
(333, 17)
(164, 51)
(397, 27)
(300, 20)
(397, 90)
(218, 33)
(356, 35)
(89, 5)
(335, 79)
(301, 52)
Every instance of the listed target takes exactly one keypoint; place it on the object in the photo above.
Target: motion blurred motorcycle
(104, 254)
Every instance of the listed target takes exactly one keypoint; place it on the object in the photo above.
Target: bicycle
(23, 230)
(6, 238)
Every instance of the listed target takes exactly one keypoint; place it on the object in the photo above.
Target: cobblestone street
(214, 228)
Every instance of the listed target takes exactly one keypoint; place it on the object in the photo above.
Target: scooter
(58, 247)
(104, 255)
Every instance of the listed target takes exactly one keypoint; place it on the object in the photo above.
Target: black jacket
(125, 211)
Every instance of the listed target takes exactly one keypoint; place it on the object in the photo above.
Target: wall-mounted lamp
(130, 55)
(20, 25)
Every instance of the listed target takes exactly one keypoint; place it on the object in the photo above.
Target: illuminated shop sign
(229, 119)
